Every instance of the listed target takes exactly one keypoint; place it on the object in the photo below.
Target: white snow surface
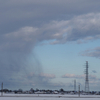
(48, 97)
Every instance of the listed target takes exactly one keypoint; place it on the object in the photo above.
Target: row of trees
(32, 90)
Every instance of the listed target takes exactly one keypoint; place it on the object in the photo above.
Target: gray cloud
(27, 23)
(91, 77)
(39, 80)
(73, 76)
(80, 29)
(16, 14)
(17, 46)
(92, 52)
(94, 71)
(15, 68)
(48, 76)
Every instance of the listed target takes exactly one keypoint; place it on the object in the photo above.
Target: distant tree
(5, 90)
(15, 91)
(10, 90)
(37, 89)
(32, 90)
(61, 90)
(20, 90)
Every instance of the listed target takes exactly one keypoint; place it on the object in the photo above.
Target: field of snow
(48, 97)
(32, 98)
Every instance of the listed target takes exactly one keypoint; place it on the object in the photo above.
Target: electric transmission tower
(75, 85)
(86, 78)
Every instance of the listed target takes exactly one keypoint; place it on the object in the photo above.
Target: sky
(45, 44)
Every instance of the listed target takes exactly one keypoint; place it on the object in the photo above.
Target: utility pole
(2, 89)
(86, 79)
(74, 85)
(79, 90)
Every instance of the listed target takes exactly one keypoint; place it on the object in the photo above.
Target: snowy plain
(48, 97)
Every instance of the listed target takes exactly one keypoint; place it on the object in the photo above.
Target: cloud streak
(91, 77)
(48, 76)
(73, 76)
(92, 52)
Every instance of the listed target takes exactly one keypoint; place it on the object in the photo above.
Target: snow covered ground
(29, 98)
(48, 97)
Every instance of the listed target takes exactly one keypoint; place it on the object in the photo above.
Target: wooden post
(2, 89)
(79, 90)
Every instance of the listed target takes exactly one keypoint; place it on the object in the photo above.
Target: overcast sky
(45, 43)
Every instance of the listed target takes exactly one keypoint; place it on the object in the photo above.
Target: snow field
(48, 97)
(43, 98)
